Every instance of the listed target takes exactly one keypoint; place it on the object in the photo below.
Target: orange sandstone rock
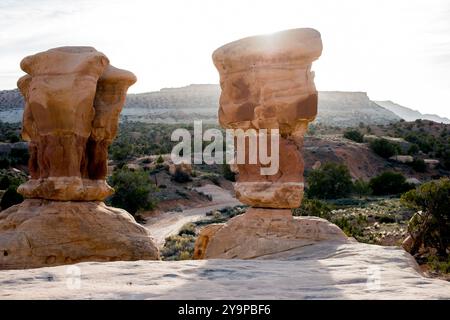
(267, 83)
(73, 98)
(262, 233)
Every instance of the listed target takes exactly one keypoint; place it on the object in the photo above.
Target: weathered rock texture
(325, 270)
(263, 232)
(73, 98)
(39, 233)
(267, 83)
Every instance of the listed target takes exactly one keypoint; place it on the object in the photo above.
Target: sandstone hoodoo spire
(73, 98)
(267, 83)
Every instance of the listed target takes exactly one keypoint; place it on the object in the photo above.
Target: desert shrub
(385, 218)
(9, 181)
(330, 181)
(227, 173)
(120, 151)
(389, 183)
(160, 159)
(439, 264)
(354, 135)
(361, 188)
(187, 229)
(10, 198)
(446, 160)
(178, 247)
(431, 225)
(346, 202)
(4, 163)
(353, 226)
(181, 176)
(413, 149)
(313, 207)
(384, 148)
(419, 165)
(424, 141)
(19, 156)
(221, 215)
(133, 190)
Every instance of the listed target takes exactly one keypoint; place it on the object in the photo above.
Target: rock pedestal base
(41, 233)
(260, 233)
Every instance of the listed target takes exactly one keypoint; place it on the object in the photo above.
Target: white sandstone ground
(321, 271)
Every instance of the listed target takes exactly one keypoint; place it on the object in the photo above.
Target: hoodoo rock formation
(267, 83)
(73, 98)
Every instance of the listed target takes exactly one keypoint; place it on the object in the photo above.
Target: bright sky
(393, 49)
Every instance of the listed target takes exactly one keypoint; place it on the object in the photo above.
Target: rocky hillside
(409, 114)
(200, 102)
(348, 109)
(10, 99)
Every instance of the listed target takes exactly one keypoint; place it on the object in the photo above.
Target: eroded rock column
(267, 83)
(73, 98)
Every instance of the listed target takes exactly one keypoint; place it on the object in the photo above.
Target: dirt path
(170, 222)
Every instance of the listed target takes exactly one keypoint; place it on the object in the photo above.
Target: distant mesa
(409, 114)
(200, 101)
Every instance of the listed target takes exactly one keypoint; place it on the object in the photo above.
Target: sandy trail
(170, 222)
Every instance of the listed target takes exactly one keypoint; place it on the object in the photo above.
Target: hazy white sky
(393, 49)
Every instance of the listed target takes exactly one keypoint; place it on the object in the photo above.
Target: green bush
(160, 159)
(121, 151)
(227, 173)
(331, 181)
(446, 160)
(354, 135)
(187, 229)
(181, 176)
(439, 264)
(133, 190)
(178, 248)
(313, 207)
(361, 188)
(389, 183)
(425, 142)
(419, 165)
(384, 148)
(413, 149)
(353, 226)
(4, 163)
(385, 218)
(431, 225)
(10, 198)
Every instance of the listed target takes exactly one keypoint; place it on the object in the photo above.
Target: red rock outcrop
(267, 83)
(73, 98)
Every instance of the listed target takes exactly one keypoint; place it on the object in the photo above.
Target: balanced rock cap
(65, 60)
(296, 46)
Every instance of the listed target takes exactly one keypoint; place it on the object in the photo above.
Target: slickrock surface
(319, 271)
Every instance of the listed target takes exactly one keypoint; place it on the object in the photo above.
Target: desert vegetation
(383, 206)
